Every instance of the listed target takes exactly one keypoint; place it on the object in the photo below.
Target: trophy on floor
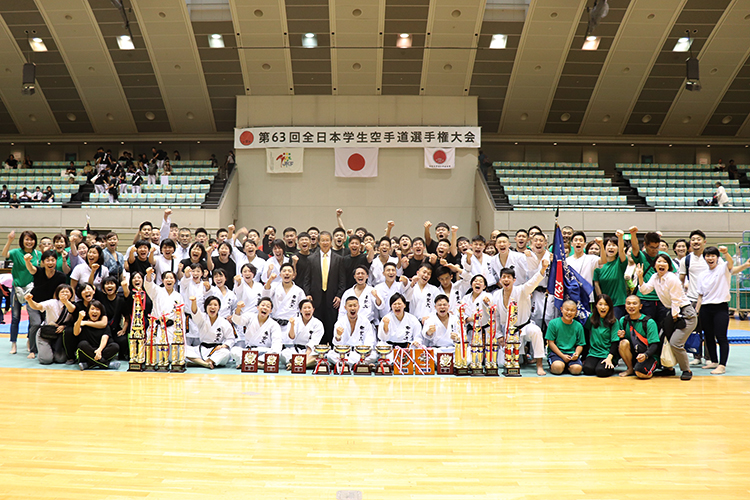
(444, 363)
(490, 347)
(362, 368)
(384, 367)
(299, 363)
(512, 342)
(459, 361)
(271, 363)
(322, 366)
(249, 361)
(342, 367)
(162, 346)
(477, 346)
(177, 353)
(150, 364)
(137, 337)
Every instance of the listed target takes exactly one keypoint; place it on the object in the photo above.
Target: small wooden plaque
(445, 363)
(425, 359)
(401, 364)
(271, 363)
(249, 361)
(299, 363)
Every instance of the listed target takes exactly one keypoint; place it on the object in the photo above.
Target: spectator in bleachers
(732, 170)
(113, 189)
(25, 196)
(99, 156)
(4, 194)
(153, 170)
(137, 179)
(229, 162)
(159, 155)
(37, 195)
(27, 163)
(14, 201)
(70, 173)
(720, 197)
(11, 162)
(166, 172)
(720, 167)
(177, 156)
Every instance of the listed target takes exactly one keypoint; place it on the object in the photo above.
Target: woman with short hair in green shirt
(610, 278)
(22, 279)
(603, 339)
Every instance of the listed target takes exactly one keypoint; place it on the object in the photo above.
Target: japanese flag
(356, 162)
(439, 158)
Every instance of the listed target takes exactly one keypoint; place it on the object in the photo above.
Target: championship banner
(440, 158)
(353, 137)
(356, 162)
(284, 160)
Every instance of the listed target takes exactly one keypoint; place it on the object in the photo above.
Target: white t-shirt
(82, 272)
(698, 266)
(714, 284)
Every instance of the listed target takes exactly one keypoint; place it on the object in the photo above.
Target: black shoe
(666, 372)
(83, 366)
(686, 375)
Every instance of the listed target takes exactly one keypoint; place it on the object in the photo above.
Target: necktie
(324, 272)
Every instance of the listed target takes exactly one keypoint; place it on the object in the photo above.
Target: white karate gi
(212, 337)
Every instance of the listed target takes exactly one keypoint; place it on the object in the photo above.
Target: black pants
(85, 353)
(327, 314)
(715, 320)
(123, 345)
(595, 366)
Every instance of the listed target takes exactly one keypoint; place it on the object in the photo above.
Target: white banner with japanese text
(353, 137)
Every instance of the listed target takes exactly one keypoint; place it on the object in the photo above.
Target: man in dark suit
(327, 284)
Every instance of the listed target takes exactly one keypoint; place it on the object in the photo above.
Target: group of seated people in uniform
(246, 289)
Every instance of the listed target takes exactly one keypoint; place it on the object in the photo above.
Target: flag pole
(546, 292)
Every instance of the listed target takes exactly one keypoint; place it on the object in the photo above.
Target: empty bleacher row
(579, 186)
(680, 186)
(188, 185)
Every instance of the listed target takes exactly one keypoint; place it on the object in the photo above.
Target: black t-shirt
(339, 251)
(414, 266)
(186, 263)
(230, 268)
(94, 335)
(139, 265)
(114, 309)
(12, 163)
(350, 264)
(44, 287)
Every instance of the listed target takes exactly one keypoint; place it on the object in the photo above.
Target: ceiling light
(403, 41)
(683, 44)
(37, 45)
(216, 41)
(498, 41)
(591, 43)
(309, 40)
(125, 42)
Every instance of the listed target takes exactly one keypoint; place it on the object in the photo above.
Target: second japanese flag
(356, 162)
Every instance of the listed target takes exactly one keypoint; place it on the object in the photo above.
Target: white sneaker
(695, 361)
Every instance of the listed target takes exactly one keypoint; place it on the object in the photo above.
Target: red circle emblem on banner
(439, 157)
(356, 162)
(246, 138)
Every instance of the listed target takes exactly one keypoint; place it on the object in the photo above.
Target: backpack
(153, 169)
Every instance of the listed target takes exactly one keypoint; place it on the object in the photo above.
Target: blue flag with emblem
(565, 283)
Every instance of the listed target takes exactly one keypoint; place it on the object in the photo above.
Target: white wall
(404, 190)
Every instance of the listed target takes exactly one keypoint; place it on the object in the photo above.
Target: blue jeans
(35, 321)
(16, 315)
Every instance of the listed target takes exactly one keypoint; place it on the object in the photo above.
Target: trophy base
(322, 370)
(136, 367)
(161, 368)
(345, 371)
(149, 368)
(512, 372)
(492, 372)
(178, 369)
(476, 372)
(362, 369)
(460, 371)
(384, 370)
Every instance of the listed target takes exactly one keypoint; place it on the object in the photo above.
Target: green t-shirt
(601, 338)
(566, 337)
(651, 333)
(611, 278)
(59, 265)
(648, 271)
(21, 275)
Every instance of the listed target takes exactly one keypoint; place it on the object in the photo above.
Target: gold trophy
(342, 367)
(477, 346)
(177, 353)
(150, 365)
(362, 368)
(137, 337)
(162, 347)
(459, 362)
(512, 342)
(490, 347)
(384, 367)
(322, 367)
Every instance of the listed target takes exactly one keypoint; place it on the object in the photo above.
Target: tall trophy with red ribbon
(177, 353)
(512, 342)
(477, 346)
(491, 347)
(162, 346)
(460, 364)
(150, 347)
(137, 337)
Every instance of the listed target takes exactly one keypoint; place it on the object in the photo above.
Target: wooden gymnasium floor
(116, 435)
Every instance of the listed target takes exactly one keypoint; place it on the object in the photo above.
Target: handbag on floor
(667, 356)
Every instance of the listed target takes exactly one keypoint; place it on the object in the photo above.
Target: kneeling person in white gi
(353, 330)
(262, 333)
(305, 332)
(442, 328)
(522, 297)
(215, 333)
